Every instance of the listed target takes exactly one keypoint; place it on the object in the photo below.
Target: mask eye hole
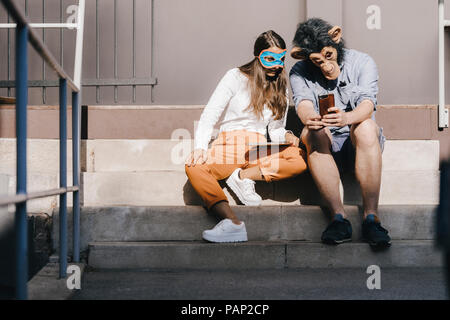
(269, 58)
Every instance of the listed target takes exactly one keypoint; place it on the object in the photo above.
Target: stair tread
(255, 242)
(259, 255)
(268, 223)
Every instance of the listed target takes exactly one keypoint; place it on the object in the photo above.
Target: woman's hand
(292, 139)
(336, 118)
(198, 156)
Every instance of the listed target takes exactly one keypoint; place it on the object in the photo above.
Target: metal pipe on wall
(44, 89)
(115, 49)
(442, 111)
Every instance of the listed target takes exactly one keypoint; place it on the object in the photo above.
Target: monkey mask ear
(296, 53)
(335, 34)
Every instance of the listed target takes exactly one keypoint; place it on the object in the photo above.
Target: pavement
(273, 284)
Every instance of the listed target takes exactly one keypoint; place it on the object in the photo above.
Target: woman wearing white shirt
(254, 97)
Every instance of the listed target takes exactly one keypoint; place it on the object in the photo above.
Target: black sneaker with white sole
(374, 233)
(338, 231)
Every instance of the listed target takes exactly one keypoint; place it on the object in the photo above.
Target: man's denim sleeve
(300, 89)
(368, 82)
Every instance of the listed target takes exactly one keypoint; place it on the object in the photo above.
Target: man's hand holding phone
(335, 118)
(331, 116)
(314, 122)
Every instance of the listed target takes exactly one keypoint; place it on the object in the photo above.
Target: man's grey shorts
(343, 150)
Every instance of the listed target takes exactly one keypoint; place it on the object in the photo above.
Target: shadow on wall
(298, 190)
(39, 248)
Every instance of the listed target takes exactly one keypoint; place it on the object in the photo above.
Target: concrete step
(259, 255)
(106, 155)
(137, 175)
(153, 155)
(42, 155)
(40, 182)
(173, 188)
(270, 223)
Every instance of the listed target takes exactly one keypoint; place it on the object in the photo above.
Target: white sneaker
(244, 189)
(226, 231)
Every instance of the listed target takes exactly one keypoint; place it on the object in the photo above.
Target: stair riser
(42, 156)
(259, 255)
(118, 174)
(141, 155)
(173, 188)
(153, 154)
(40, 182)
(263, 224)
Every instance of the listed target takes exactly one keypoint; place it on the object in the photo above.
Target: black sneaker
(374, 233)
(338, 231)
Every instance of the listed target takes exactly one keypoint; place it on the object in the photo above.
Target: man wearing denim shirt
(347, 138)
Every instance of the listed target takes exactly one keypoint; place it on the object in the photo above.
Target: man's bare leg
(368, 163)
(323, 167)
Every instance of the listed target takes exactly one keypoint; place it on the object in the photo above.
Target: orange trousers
(230, 151)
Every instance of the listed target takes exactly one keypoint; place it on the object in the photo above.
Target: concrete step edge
(134, 188)
(271, 223)
(246, 243)
(259, 255)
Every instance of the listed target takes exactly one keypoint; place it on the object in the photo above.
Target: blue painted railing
(24, 34)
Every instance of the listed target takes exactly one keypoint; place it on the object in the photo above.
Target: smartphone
(325, 101)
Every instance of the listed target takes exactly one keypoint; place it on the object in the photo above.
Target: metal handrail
(98, 81)
(35, 195)
(40, 25)
(25, 34)
(37, 43)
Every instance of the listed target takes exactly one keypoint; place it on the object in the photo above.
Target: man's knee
(316, 138)
(365, 133)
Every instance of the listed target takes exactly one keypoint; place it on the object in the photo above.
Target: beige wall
(196, 41)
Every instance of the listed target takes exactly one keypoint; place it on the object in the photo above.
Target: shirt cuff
(300, 99)
(370, 98)
(201, 144)
(278, 135)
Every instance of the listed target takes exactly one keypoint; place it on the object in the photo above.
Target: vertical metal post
(152, 22)
(97, 52)
(9, 59)
(61, 35)
(21, 229)
(134, 48)
(44, 91)
(76, 175)
(77, 69)
(115, 49)
(442, 111)
(62, 177)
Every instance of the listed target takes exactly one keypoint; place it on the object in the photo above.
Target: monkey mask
(325, 58)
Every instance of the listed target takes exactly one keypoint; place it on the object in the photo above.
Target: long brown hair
(263, 91)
